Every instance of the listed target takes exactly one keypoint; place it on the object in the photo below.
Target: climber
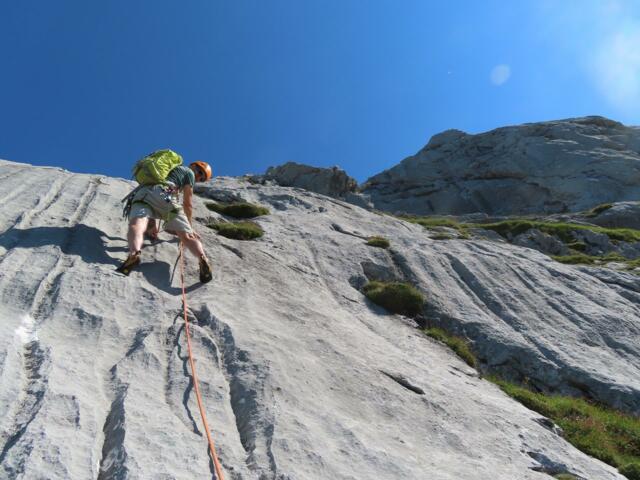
(162, 177)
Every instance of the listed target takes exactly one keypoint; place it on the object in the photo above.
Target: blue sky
(92, 86)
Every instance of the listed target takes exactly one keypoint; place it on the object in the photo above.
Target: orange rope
(196, 385)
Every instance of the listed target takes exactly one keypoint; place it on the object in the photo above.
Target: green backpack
(154, 168)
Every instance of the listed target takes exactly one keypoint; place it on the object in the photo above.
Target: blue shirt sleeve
(191, 177)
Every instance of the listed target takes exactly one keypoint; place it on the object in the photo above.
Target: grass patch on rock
(577, 259)
(631, 471)
(238, 209)
(595, 211)
(602, 432)
(238, 230)
(442, 236)
(457, 344)
(612, 257)
(577, 246)
(562, 230)
(431, 222)
(438, 224)
(377, 241)
(396, 297)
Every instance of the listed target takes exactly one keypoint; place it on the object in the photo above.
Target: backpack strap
(128, 201)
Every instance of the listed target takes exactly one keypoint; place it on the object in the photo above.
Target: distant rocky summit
(333, 181)
(548, 167)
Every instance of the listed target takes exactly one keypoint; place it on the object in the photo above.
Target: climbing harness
(196, 385)
(161, 199)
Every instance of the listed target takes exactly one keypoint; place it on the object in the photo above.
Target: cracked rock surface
(302, 377)
(546, 167)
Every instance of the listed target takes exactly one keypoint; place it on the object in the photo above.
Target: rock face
(548, 167)
(619, 215)
(543, 242)
(333, 182)
(302, 376)
(586, 238)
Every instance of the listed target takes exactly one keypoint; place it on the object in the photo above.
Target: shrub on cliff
(238, 209)
(396, 297)
(377, 241)
(238, 230)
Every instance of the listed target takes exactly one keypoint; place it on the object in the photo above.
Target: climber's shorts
(158, 202)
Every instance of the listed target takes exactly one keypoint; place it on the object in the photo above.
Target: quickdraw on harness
(128, 201)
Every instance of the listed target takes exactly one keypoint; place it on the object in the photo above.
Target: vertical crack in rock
(403, 266)
(185, 371)
(339, 229)
(15, 233)
(47, 200)
(36, 362)
(84, 203)
(45, 297)
(402, 380)
(565, 377)
(246, 380)
(482, 295)
(233, 250)
(22, 180)
(35, 357)
(208, 343)
(551, 467)
(138, 340)
(269, 432)
(549, 425)
(114, 454)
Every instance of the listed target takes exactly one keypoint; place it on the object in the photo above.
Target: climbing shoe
(132, 260)
(205, 270)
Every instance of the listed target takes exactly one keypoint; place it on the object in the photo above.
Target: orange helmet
(202, 167)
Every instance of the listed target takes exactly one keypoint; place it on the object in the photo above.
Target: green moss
(579, 258)
(614, 257)
(632, 264)
(510, 228)
(431, 222)
(396, 297)
(442, 236)
(238, 230)
(631, 471)
(457, 344)
(564, 231)
(565, 476)
(595, 211)
(238, 209)
(435, 223)
(578, 246)
(583, 259)
(602, 432)
(377, 241)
